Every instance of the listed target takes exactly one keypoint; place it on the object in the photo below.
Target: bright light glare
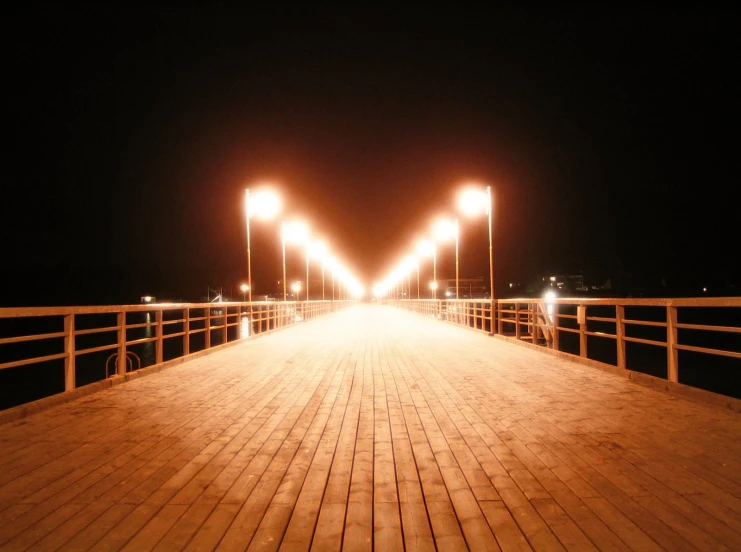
(244, 288)
(296, 286)
(264, 205)
(550, 295)
(356, 290)
(433, 285)
(425, 248)
(379, 290)
(295, 232)
(408, 264)
(473, 201)
(445, 230)
(317, 249)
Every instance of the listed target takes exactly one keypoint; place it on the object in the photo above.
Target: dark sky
(609, 138)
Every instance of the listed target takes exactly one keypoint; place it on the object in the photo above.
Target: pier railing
(68, 344)
(693, 337)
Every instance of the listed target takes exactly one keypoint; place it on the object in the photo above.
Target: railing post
(581, 318)
(672, 353)
(208, 328)
(186, 329)
(226, 324)
(518, 331)
(69, 350)
(620, 333)
(121, 366)
(554, 328)
(159, 343)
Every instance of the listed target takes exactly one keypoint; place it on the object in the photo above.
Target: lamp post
(265, 205)
(316, 249)
(245, 288)
(417, 265)
(292, 232)
(296, 288)
(333, 268)
(425, 248)
(473, 201)
(444, 230)
(307, 273)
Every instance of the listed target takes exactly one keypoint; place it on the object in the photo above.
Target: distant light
(244, 288)
(553, 278)
(433, 285)
(296, 286)
(448, 294)
(705, 290)
(550, 296)
(147, 299)
(379, 290)
(511, 285)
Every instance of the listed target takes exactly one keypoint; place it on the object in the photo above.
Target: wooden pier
(373, 428)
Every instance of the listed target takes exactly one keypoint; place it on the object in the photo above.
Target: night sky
(609, 138)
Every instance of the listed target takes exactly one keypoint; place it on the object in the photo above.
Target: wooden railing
(707, 326)
(474, 313)
(66, 335)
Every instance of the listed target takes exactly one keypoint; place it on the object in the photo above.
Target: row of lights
(265, 204)
(473, 200)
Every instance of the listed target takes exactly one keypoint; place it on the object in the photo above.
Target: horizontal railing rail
(68, 335)
(709, 326)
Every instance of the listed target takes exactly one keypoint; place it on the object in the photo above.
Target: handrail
(542, 322)
(219, 323)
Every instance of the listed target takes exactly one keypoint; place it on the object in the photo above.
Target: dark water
(714, 373)
(34, 381)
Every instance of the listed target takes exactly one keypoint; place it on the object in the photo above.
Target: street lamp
(445, 230)
(317, 249)
(296, 288)
(333, 268)
(433, 287)
(424, 249)
(245, 288)
(291, 232)
(473, 201)
(408, 266)
(263, 204)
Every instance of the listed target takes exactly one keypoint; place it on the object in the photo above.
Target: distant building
(468, 288)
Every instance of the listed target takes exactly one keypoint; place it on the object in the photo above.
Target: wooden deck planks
(373, 429)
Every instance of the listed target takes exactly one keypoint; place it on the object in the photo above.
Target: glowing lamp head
(408, 264)
(263, 204)
(295, 232)
(317, 249)
(472, 201)
(296, 287)
(445, 230)
(244, 287)
(433, 285)
(425, 248)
